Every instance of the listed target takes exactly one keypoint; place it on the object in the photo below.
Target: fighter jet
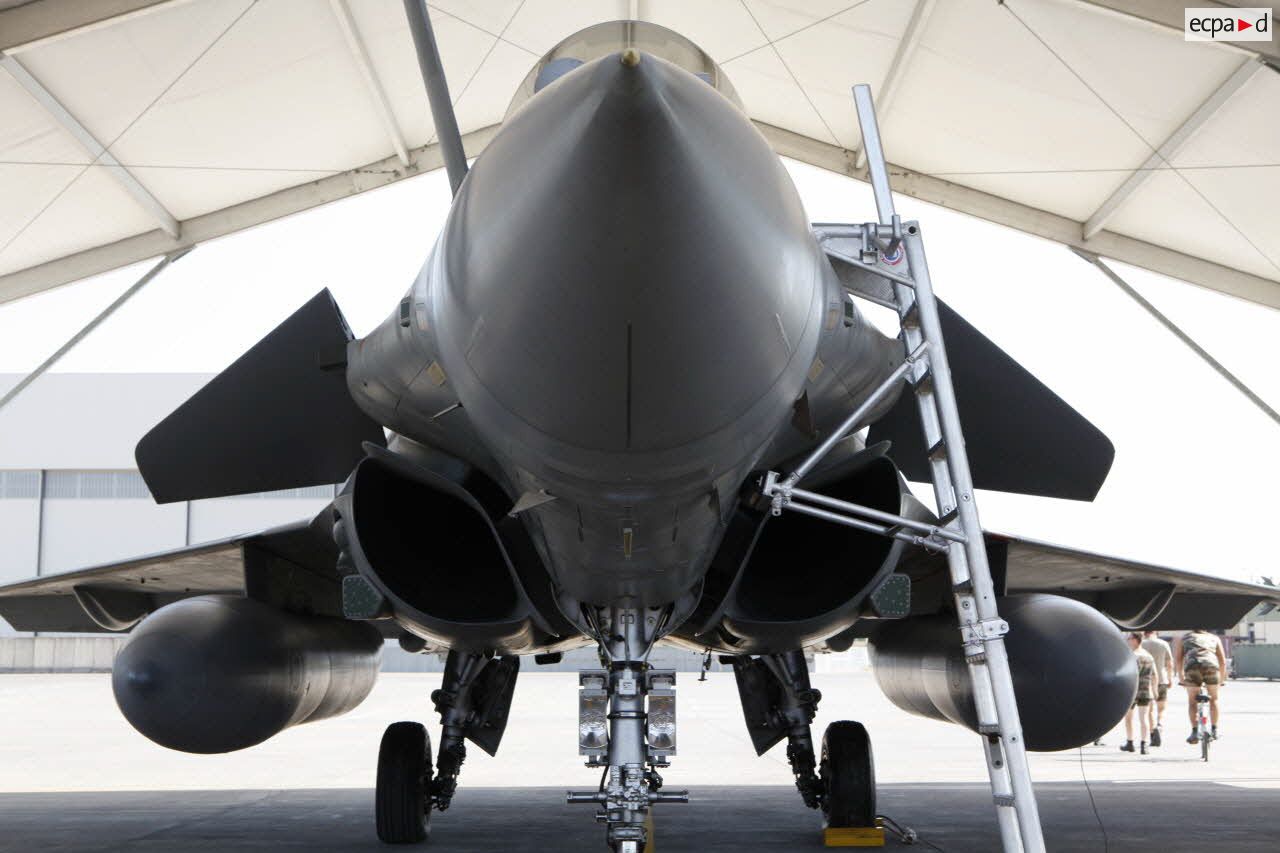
(560, 438)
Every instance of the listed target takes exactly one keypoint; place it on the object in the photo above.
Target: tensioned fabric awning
(131, 128)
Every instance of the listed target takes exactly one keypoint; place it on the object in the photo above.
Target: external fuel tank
(217, 673)
(1073, 673)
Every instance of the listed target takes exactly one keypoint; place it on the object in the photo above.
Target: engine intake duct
(799, 580)
(434, 551)
(217, 673)
(1073, 674)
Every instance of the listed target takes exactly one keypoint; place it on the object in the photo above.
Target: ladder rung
(988, 728)
(924, 382)
(965, 586)
(911, 317)
(938, 450)
(1005, 800)
(949, 516)
(976, 660)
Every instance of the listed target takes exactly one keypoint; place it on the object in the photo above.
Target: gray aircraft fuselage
(626, 319)
(621, 314)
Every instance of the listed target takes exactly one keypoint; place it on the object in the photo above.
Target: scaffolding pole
(97, 321)
(1155, 312)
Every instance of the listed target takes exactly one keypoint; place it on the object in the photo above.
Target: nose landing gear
(627, 726)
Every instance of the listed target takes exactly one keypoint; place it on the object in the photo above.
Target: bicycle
(1204, 731)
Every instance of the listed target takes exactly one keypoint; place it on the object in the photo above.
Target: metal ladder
(959, 532)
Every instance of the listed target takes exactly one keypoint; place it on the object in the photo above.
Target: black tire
(1204, 746)
(848, 776)
(404, 776)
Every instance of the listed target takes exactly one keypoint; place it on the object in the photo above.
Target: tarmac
(74, 778)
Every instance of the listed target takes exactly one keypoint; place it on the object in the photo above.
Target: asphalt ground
(75, 777)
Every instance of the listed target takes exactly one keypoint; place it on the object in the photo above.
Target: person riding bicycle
(1141, 701)
(1202, 662)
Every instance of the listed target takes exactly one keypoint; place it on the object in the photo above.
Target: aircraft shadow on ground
(1166, 816)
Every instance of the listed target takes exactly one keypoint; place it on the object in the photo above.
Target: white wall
(78, 431)
(82, 532)
(19, 520)
(19, 529)
(88, 518)
(223, 517)
(59, 654)
(87, 421)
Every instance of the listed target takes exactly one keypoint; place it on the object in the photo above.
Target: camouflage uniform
(1146, 677)
(1200, 658)
(1161, 651)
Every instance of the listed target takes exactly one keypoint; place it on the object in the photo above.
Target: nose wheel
(402, 800)
(848, 776)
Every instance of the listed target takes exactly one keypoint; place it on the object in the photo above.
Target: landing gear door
(660, 722)
(593, 713)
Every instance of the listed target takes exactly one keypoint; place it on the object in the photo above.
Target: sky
(1195, 476)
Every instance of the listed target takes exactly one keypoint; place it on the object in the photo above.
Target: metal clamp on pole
(877, 170)
(871, 266)
(983, 630)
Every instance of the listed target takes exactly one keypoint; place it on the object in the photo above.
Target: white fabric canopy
(131, 128)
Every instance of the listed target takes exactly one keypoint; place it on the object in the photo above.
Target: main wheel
(404, 778)
(848, 776)
(1204, 745)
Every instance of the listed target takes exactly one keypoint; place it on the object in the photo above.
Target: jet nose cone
(629, 267)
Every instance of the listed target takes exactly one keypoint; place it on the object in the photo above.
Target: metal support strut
(453, 703)
(959, 531)
(474, 702)
(97, 321)
(798, 708)
(442, 114)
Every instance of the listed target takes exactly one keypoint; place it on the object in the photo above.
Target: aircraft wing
(1136, 596)
(293, 567)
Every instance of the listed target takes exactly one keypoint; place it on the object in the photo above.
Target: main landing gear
(778, 702)
(627, 725)
(473, 702)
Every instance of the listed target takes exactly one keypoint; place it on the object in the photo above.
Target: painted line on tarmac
(1239, 783)
(1256, 784)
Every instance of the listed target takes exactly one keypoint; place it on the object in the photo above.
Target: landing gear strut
(627, 725)
(778, 702)
(473, 702)
(797, 706)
